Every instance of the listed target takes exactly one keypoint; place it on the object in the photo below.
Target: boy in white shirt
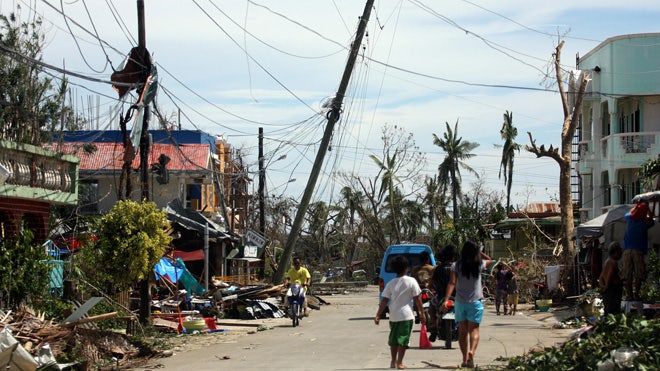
(397, 294)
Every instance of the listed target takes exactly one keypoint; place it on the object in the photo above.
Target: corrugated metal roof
(537, 210)
(108, 156)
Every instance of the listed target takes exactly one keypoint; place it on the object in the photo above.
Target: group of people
(506, 290)
(459, 278)
(635, 247)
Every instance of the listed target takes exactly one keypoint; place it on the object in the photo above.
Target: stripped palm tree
(509, 134)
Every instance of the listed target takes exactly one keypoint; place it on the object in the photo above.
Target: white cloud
(197, 52)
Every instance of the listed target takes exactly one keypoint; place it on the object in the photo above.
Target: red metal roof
(108, 156)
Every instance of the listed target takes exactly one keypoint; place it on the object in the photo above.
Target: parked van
(412, 252)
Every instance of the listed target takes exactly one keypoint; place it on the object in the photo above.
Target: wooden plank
(165, 323)
(98, 318)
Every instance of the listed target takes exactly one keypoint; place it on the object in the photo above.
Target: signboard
(250, 251)
(256, 238)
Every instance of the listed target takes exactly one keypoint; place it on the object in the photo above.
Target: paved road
(343, 336)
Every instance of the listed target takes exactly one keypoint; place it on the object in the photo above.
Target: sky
(230, 67)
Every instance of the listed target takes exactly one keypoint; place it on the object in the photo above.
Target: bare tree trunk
(569, 126)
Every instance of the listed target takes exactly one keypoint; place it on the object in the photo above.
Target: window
(88, 197)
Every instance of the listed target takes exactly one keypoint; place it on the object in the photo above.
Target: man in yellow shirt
(300, 274)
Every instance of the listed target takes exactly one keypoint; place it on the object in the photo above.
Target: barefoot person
(466, 279)
(398, 294)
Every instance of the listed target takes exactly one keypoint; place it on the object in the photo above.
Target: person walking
(438, 283)
(512, 291)
(397, 295)
(466, 279)
(611, 287)
(635, 246)
(500, 289)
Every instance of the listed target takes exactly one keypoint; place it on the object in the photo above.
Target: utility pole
(262, 196)
(144, 137)
(333, 116)
(145, 295)
(262, 186)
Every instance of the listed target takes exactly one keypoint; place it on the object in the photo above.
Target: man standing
(635, 246)
(501, 292)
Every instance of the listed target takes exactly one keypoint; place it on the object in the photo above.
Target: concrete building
(620, 121)
(33, 180)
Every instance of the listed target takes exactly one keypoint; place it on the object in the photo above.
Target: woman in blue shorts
(466, 279)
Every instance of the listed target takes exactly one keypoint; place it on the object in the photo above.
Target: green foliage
(610, 333)
(32, 105)
(53, 308)
(24, 269)
(650, 291)
(131, 239)
(647, 173)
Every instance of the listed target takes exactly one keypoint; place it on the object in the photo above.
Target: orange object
(424, 342)
(210, 323)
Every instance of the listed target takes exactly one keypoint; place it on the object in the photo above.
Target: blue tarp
(177, 272)
(165, 268)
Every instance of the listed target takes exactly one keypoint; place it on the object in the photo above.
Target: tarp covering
(176, 272)
(594, 227)
(648, 197)
(164, 268)
(189, 255)
(188, 281)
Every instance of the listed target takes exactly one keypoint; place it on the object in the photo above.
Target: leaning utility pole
(332, 116)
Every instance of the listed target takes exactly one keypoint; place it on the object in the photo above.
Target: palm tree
(435, 200)
(509, 134)
(456, 152)
(347, 211)
(413, 218)
(387, 185)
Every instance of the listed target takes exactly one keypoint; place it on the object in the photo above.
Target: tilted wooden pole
(332, 116)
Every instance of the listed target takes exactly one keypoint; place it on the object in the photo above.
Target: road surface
(343, 336)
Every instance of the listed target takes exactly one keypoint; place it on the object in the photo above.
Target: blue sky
(233, 66)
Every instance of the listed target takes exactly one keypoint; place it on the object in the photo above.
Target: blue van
(411, 251)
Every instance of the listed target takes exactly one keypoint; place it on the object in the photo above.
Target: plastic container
(194, 324)
(544, 305)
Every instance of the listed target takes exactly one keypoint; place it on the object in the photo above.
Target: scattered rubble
(219, 315)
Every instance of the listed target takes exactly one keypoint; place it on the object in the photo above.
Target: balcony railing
(38, 174)
(630, 143)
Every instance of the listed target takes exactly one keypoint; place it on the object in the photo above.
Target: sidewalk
(553, 316)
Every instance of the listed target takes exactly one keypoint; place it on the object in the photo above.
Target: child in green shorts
(398, 294)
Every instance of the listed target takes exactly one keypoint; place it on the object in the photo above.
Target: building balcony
(622, 144)
(38, 174)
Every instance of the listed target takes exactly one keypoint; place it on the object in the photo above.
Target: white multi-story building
(620, 121)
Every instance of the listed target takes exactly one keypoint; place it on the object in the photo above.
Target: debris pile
(35, 342)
